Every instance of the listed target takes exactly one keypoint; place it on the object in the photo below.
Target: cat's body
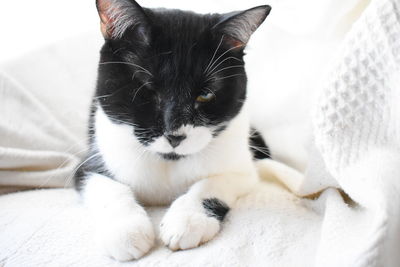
(168, 125)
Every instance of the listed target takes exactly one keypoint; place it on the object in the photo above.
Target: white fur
(123, 229)
(196, 139)
(220, 167)
(186, 225)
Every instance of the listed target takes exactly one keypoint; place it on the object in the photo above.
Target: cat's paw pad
(185, 230)
(126, 238)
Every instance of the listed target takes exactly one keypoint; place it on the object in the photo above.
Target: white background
(29, 24)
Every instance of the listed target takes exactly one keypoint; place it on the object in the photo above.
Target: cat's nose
(175, 140)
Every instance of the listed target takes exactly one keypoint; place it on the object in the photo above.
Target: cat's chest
(157, 181)
(154, 181)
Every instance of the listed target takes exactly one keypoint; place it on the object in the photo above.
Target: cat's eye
(205, 97)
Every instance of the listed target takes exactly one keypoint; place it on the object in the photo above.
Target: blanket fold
(35, 147)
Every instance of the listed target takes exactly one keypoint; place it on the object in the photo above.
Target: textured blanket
(343, 210)
(357, 131)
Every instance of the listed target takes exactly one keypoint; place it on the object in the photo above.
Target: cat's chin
(171, 156)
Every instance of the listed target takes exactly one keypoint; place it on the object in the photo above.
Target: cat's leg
(122, 228)
(195, 217)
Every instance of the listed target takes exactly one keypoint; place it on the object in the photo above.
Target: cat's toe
(185, 230)
(127, 238)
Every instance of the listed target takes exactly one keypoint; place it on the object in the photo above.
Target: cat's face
(177, 77)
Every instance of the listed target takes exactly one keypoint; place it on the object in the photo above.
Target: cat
(168, 124)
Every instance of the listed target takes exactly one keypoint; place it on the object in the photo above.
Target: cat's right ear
(237, 27)
(116, 16)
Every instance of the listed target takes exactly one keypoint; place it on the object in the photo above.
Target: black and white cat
(168, 125)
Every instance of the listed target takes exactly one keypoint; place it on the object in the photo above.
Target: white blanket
(357, 131)
(354, 146)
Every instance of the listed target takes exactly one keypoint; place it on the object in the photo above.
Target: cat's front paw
(182, 229)
(126, 238)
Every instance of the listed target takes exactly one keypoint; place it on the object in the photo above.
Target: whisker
(222, 61)
(215, 52)
(126, 63)
(77, 154)
(130, 124)
(227, 51)
(102, 96)
(261, 149)
(138, 71)
(258, 148)
(138, 89)
(226, 68)
(76, 168)
(226, 77)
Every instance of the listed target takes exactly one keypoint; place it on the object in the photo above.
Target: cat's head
(177, 77)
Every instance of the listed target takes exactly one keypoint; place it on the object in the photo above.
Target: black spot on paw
(215, 208)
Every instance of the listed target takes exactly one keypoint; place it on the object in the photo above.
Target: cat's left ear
(239, 26)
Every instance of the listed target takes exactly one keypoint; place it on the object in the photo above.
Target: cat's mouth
(171, 156)
(187, 140)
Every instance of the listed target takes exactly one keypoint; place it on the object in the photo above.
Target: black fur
(215, 208)
(171, 156)
(258, 146)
